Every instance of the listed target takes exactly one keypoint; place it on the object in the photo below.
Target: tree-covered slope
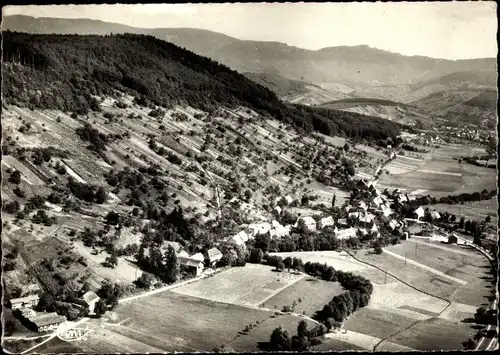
(67, 72)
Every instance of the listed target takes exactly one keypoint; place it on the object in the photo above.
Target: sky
(449, 30)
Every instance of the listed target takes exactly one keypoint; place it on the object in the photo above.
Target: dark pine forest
(68, 72)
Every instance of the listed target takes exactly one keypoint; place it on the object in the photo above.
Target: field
(435, 334)
(172, 322)
(438, 174)
(475, 211)
(397, 310)
(313, 295)
(250, 285)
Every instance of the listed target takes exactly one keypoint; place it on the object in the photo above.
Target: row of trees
(359, 289)
(460, 198)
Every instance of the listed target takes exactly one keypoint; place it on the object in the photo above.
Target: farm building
(419, 212)
(90, 299)
(452, 239)
(326, 222)
(22, 302)
(192, 265)
(212, 256)
(346, 233)
(309, 223)
(47, 321)
(435, 215)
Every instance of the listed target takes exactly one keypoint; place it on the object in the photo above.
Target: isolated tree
(280, 340)
(11, 207)
(461, 224)
(112, 218)
(172, 266)
(256, 256)
(377, 247)
(491, 148)
(333, 200)
(350, 169)
(101, 195)
(111, 261)
(100, 308)
(487, 219)
(302, 329)
(280, 266)
(145, 280)
(15, 177)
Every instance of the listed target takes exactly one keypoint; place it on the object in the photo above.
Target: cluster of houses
(43, 321)
(195, 263)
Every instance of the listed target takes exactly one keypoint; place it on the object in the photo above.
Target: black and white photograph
(249, 177)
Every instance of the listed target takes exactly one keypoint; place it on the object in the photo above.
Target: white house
(279, 232)
(90, 299)
(378, 201)
(355, 214)
(212, 256)
(346, 233)
(243, 236)
(198, 256)
(363, 205)
(309, 223)
(342, 222)
(326, 222)
(260, 228)
(435, 215)
(288, 199)
(419, 212)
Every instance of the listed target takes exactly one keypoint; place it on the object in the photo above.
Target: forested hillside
(70, 72)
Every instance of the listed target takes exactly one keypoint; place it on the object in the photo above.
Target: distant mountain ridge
(356, 66)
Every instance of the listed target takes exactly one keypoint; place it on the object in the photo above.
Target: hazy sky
(451, 30)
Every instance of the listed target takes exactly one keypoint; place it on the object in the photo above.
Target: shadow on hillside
(468, 320)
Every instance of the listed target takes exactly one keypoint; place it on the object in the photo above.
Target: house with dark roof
(47, 321)
(212, 257)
